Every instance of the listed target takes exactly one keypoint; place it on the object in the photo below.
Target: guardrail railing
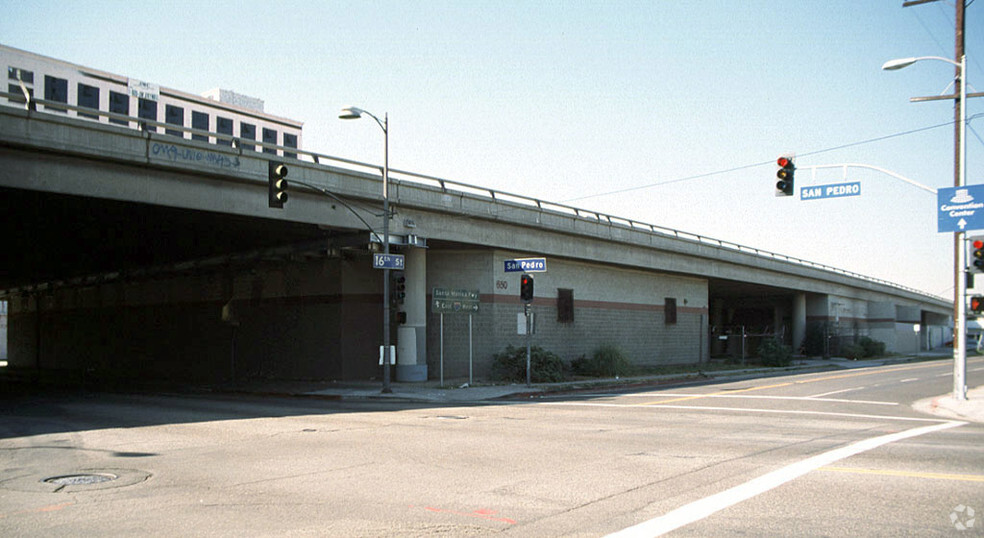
(61, 109)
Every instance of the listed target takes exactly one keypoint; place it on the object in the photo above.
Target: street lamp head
(350, 113)
(892, 65)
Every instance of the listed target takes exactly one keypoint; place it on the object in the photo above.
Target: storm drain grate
(84, 479)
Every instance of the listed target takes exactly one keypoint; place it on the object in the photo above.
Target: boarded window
(223, 126)
(88, 98)
(247, 131)
(199, 121)
(670, 311)
(269, 137)
(290, 141)
(119, 103)
(175, 116)
(565, 306)
(147, 109)
(56, 89)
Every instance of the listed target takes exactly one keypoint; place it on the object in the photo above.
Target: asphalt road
(821, 454)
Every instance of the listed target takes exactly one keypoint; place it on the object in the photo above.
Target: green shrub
(872, 348)
(853, 351)
(510, 365)
(607, 361)
(774, 353)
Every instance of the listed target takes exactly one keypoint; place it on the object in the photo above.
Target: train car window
(88, 98)
(199, 120)
(174, 115)
(119, 103)
(147, 110)
(223, 126)
(247, 131)
(56, 89)
(290, 141)
(270, 137)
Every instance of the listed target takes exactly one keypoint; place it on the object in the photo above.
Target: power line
(755, 165)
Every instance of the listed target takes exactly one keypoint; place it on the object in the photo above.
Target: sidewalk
(458, 391)
(971, 409)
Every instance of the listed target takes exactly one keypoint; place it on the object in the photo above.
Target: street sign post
(457, 301)
(960, 208)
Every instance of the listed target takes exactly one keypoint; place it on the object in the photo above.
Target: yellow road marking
(909, 474)
(685, 398)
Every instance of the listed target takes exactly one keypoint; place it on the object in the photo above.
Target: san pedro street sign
(960, 208)
(834, 190)
(526, 265)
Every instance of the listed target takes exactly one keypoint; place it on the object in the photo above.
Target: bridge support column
(411, 352)
(799, 321)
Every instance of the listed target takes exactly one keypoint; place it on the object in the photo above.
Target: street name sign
(526, 265)
(834, 190)
(960, 208)
(388, 261)
(452, 301)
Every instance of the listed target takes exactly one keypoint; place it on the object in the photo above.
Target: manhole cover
(73, 480)
(85, 479)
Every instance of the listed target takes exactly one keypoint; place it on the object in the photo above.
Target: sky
(664, 112)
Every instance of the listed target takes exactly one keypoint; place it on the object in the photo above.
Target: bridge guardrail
(61, 109)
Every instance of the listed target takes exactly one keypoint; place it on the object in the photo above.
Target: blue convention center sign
(960, 208)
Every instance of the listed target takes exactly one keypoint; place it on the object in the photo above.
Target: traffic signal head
(277, 179)
(977, 304)
(977, 254)
(399, 287)
(526, 288)
(784, 185)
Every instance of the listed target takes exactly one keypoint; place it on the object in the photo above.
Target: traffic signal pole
(526, 295)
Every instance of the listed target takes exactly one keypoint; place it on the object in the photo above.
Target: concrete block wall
(620, 306)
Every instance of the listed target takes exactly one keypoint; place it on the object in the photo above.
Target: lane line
(798, 382)
(685, 396)
(718, 393)
(743, 410)
(908, 474)
(707, 506)
(835, 392)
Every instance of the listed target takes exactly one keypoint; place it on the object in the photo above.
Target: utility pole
(959, 238)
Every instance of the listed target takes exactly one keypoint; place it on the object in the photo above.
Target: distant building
(224, 114)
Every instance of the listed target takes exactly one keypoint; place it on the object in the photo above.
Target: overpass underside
(123, 263)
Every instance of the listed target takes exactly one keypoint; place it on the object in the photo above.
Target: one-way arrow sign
(960, 208)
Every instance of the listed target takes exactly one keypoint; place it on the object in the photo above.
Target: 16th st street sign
(960, 208)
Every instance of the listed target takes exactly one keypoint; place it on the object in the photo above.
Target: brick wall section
(612, 305)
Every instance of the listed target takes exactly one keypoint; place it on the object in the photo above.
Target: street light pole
(352, 113)
(960, 242)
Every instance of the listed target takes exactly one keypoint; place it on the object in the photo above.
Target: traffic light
(784, 187)
(977, 254)
(526, 288)
(277, 180)
(977, 304)
(399, 287)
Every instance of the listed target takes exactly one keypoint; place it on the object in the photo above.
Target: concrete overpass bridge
(132, 253)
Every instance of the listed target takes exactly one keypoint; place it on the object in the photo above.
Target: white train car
(218, 116)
